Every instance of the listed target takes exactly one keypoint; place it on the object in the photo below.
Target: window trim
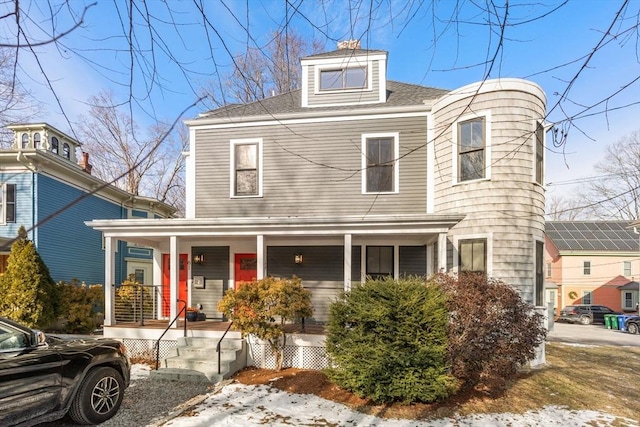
(347, 63)
(4, 204)
(455, 173)
(624, 268)
(488, 237)
(396, 163)
(586, 293)
(624, 300)
(394, 260)
(586, 268)
(232, 166)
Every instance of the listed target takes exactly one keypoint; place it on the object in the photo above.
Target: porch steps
(195, 359)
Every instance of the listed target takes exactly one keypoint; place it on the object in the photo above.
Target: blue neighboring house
(48, 190)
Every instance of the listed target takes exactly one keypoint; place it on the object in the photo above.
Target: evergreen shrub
(387, 341)
(79, 305)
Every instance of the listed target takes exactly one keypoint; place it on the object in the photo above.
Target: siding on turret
(510, 205)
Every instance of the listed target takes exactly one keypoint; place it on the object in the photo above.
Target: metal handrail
(184, 309)
(220, 342)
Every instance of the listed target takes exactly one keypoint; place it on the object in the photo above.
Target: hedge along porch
(328, 254)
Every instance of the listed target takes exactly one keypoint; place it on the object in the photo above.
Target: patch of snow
(139, 371)
(260, 405)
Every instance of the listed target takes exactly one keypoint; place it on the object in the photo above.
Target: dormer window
(37, 141)
(345, 78)
(54, 145)
(66, 151)
(25, 141)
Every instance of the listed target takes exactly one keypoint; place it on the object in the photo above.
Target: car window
(13, 341)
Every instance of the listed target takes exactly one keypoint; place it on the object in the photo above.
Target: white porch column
(110, 244)
(430, 267)
(173, 278)
(157, 279)
(442, 252)
(347, 262)
(261, 252)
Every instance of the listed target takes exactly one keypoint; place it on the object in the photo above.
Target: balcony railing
(137, 303)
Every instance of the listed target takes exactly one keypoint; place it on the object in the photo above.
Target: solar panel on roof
(582, 226)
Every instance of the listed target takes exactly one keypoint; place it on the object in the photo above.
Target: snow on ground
(261, 405)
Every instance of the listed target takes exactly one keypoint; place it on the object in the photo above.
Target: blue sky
(546, 42)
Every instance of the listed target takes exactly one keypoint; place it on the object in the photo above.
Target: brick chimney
(84, 163)
(349, 44)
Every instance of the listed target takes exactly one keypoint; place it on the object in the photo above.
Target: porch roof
(151, 230)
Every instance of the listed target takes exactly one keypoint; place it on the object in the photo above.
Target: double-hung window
(8, 203)
(54, 144)
(343, 78)
(626, 268)
(380, 163)
(586, 268)
(471, 149)
(472, 255)
(379, 261)
(246, 168)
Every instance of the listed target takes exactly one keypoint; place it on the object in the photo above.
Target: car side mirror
(37, 338)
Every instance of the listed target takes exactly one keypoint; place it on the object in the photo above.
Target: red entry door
(246, 269)
(183, 293)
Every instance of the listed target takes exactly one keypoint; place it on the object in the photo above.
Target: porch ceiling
(152, 231)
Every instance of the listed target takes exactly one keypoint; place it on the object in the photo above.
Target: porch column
(157, 280)
(430, 267)
(173, 278)
(347, 262)
(261, 252)
(110, 244)
(442, 252)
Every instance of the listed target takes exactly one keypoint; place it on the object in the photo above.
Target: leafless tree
(564, 209)
(16, 105)
(262, 72)
(143, 163)
(616, 194)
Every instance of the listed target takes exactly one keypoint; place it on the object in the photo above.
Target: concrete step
(204, 353)
(174, 374)
(208, 343)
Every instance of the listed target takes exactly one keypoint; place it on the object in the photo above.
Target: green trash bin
(607, 321)
(614, 321)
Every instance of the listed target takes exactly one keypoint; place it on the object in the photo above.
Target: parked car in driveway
(633, 325)
(585, 314)
(42, 378)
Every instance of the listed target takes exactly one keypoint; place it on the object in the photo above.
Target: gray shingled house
(353, 176)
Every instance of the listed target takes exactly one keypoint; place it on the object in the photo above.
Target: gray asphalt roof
(593, 235)
(398, 94)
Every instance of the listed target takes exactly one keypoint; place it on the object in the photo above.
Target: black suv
(585, 313)
(633, 325)
(44, 378)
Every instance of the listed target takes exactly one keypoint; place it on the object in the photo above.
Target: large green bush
(387, 341)
(492, 331)
(79, 305)
(28, 294)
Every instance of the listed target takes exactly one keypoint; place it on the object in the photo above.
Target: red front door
(183, 259)
(245, 268)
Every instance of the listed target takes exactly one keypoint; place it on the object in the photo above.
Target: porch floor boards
(216, 325)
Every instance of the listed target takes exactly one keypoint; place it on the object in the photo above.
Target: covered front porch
(196, 260)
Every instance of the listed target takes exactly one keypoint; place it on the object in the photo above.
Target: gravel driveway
(146, 400)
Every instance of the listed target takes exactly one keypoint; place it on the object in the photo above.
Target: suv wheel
(585, 320)
(98, 397)
(633, 328)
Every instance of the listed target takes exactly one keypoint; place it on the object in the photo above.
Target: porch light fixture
(297, 258)
(198, 259)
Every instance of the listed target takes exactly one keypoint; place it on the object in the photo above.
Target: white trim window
(380, 166)
(628, 302)
(343, 78)
(472, 148)
(7, 203)
(587, 297)
(586, 268)
(472, 255)
(626, 268)
(246, 168)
